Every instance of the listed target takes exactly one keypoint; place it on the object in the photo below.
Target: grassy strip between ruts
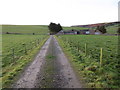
(14, 70)
(73, 62)
(48, 72)
(49, 68)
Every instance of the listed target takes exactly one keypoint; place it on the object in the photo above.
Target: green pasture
(18, 45)
(74, 28)
(94, 57)
(25, 29)
(17, 51)
(112, 29)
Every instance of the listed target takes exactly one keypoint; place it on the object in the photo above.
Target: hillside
(43, 29)
(75, 28)
(37, 29)
(111, 27)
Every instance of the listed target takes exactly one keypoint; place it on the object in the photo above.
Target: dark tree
(101, 29)
(54, 28)
(60, 27)
(97, 27)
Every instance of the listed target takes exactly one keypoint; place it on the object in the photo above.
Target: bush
(101, 29)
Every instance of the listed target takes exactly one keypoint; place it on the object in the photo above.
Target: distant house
(68, 32)
(81, 32)
(71, 32)
(87, 32)
(84, 31)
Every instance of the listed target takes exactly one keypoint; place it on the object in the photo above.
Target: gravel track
(36, 75)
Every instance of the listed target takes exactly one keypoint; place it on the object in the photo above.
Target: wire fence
(17, 52)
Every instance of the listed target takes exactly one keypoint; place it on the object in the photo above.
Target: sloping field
(75, 28)
(37, 29)
(112, 29)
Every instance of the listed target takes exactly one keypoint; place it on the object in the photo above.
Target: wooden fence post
(78, 47)
(38, 41)
(30, 45)
(85, 49)
(101, 55)
(13, 54)
(25, 48)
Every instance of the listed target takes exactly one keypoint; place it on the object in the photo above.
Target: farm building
(69, 32)
(90, 32)
(82, 32)
(87, 32)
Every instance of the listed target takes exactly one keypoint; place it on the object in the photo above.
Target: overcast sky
(65, 12)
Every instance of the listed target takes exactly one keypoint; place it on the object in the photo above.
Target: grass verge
(73, 61)
(88, 69)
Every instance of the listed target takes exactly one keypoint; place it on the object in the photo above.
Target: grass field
(112, 29)
(98, 68)
(75, 28)
(26, 29)
(20, 44)
(17, 51)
